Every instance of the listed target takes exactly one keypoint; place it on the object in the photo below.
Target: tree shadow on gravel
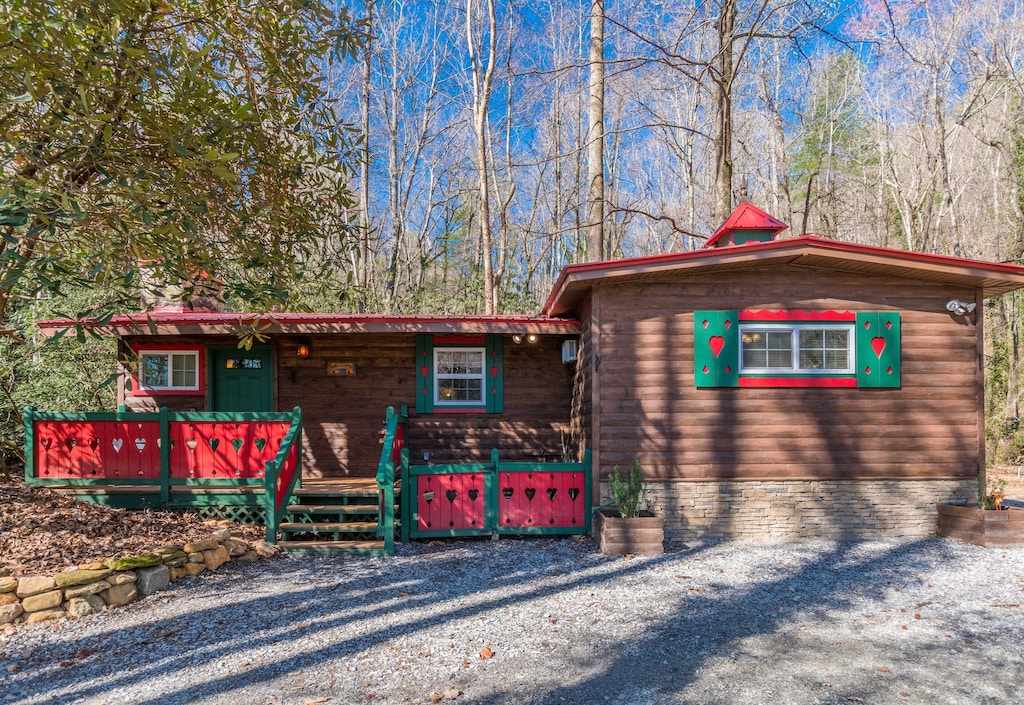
(662, 661)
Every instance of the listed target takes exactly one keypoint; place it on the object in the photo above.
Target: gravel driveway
(551, 621)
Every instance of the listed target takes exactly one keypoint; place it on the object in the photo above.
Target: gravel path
(931, 621)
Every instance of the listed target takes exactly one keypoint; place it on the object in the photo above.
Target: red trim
(783, 315)
(449, 410)
(460, 340)
(796, 243)
(798, 381)
(138, 348)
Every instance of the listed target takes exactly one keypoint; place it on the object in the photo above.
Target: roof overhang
(176, 322)
(811, 251)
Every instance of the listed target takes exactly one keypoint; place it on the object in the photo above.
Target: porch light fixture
(959, 308)
(532, 338)
(303, 350)
(517, 339)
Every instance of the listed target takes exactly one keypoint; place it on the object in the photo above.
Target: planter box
(643, 535)
(982, 527)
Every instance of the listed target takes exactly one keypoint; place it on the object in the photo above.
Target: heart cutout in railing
(530, 492)
(140, 443)
(94, 443)
(573, 493)
(507, 492)
(214, 444)
(428, 496)
(70, 443)
(260, 443)
(473, 494)
(451, 495)
(191, 443)
(117, 443)
(45, 443)
(552, 492)
(237, 444)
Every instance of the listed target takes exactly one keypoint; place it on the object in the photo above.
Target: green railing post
(165, 456)
(492, 493)
(270, 500)
(588, 500)
(30, 444)
(408, 496)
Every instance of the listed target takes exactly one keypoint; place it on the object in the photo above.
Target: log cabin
(771, 387)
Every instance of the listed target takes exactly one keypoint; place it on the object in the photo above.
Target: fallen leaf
(884, 669)
(486, 653)
(317, 701)
(451, 693)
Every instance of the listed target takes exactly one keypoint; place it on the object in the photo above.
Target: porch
(248, 467)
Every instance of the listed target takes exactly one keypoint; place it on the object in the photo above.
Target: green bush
(626, 493)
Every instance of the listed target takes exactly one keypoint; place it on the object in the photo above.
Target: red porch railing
(161, 451)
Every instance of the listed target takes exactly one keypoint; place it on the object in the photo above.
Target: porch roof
(175, 321)
(811, 251)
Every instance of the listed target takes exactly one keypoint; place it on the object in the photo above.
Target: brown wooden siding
(648, 404)
(582, 407)
(343, 415)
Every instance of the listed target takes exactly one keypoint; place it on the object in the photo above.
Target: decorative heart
(473, 494)
(451, 495)
(552, 493)
(704, 323)
(530, 492)
(728, 325)
(878, 345)
(494, 370)
(716, 343)
(140, 443)
(94, 443)
(70, 443)
(705, 370)
(45, 443)
(867, 370)
(507, 492)
(191, 443)
(573, 493)
(867, 324)
(428, 496)
(888, 325)
(424, 371)
(261, 443)
(888, 371)
(117, 443)
(214, 443)
(237, 443)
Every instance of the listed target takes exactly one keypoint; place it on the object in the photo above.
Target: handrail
(278, 486)
(394, 443)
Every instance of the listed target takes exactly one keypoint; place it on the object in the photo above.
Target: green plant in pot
(629, 530)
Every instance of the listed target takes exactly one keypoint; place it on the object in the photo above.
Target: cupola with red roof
(748, 223)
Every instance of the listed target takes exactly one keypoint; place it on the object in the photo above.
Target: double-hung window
(802, 349)
(459, 376)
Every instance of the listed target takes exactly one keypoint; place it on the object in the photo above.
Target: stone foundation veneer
(778, 509)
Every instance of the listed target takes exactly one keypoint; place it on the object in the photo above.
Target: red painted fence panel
(451, 502)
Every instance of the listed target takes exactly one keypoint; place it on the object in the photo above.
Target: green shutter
(716, 349)
(495, 374)
(878, 349)
(424, 374)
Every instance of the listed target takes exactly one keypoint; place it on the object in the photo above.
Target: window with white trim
(459, 376)
(170, 370)
(803, 349)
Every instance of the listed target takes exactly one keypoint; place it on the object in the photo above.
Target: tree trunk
(595, 140)
(723, 132)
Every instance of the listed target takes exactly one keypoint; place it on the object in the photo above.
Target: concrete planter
(642, 535)
(982, 527)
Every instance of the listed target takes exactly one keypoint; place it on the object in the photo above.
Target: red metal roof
(747, 216)
(173, 320)
(991, 277)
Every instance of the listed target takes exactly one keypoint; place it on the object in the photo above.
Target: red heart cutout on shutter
(716, 343)
(878, 345)
(424, 371)
(494, 371)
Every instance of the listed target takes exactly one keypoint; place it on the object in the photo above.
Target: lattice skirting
(240, 514)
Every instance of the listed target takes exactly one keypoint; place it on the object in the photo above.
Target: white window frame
(169, 355)
(482, 376)
(794, 330)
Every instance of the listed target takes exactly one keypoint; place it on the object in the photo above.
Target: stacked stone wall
(784, 509)
(87, 589)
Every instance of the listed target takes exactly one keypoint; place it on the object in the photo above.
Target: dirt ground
(1014, 480)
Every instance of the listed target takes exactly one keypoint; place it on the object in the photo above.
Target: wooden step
(332, 508)
(334, 492)
(315, 527)
(333, 548)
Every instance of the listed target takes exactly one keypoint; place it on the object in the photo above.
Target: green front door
(243, 380)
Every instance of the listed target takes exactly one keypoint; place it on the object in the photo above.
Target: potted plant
(628, 528)
(988, 523)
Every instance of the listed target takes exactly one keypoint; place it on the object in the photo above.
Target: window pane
(454, 390)
(153, 369)
(767, 349)
(183, 370)
(460, 362)
(822, 349)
